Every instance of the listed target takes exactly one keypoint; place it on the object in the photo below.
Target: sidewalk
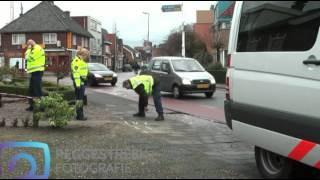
(180, 147)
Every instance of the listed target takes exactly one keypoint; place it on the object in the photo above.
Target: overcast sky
(131, 22)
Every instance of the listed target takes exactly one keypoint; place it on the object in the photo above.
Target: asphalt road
(196, 104)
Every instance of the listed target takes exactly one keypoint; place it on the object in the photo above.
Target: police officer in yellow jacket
(79, 69)
(36, 60)
(145, 85)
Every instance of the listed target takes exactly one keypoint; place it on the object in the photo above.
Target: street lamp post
(146, 13)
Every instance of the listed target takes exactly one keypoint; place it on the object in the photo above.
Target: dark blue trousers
(157, 98)
(35, 86)
(80, 93)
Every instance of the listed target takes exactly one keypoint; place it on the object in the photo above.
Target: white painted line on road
(149, 128)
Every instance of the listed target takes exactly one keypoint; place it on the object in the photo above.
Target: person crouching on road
(144, 86)
(79, 69)
(36, 60)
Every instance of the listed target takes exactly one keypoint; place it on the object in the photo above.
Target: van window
(278, 26)
(156, 66)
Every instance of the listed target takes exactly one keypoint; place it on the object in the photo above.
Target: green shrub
(55, 110)
(215, 66)
(219, 75)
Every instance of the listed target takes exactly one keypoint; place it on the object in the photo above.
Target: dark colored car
(99, 73)
(182, 76)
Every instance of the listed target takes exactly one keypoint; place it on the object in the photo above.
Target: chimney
(67, 13)
(21, 9)
(51, 2)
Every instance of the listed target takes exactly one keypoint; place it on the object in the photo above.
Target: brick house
(203, 28)
(94, 27)
(116, 51)
(50, 27)
(106, 49)
(222, 23)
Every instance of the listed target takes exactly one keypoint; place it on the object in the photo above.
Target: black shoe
(160, 118)
(30, 109)
(139, 114)
(82, 119)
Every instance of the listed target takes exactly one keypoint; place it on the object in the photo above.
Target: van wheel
(176, 92)
(273, 166)
(209, 94)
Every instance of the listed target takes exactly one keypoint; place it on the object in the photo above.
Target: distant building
(50, 27)
(203, 28)
(130, 54)
(223, 13)
(94, 27)
(117, 52)
(106, 49)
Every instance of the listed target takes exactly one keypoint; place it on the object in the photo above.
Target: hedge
(219, 75)
(67, 92)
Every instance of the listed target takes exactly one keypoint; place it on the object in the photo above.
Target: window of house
(18, 39)
(74, 40)
(50, 38)
(93, 25)
(0, 39)
(278, 25)
(84, 42)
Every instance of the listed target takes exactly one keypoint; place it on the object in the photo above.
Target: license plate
(203, 86)
(108, 78)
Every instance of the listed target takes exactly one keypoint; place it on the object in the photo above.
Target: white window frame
(52, 38)
(74, 40)
(84, 42)
(18, 39)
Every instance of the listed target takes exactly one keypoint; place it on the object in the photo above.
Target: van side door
(276, 67)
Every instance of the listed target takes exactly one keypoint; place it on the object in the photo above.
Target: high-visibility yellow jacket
(79, 70)
(146, 80)
(36, 59)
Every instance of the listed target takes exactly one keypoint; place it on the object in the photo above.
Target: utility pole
(183, 46)
(115, 48)
(148, 38)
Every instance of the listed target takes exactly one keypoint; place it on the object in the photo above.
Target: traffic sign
(171, 8)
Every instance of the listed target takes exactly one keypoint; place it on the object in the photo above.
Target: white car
(182, 76)
(273, 96)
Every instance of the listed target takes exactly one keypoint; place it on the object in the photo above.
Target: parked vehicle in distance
(182, 76)
(127, 68)
(273, 83)
(99, 73)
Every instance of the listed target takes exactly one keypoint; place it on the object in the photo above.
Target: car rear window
(278, 26)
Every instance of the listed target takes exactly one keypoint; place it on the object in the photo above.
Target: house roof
(45, 17)
(130, 49)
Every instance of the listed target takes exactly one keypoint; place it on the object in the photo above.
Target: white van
(273, 83)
